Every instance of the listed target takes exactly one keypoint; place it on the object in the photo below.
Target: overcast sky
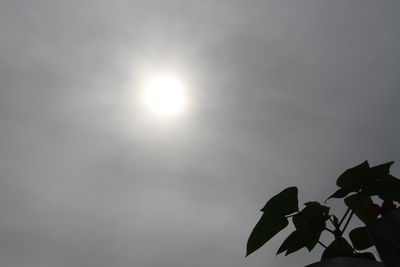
(279, 93)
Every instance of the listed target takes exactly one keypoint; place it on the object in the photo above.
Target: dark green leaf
(360, 205)
(382, 169)
(292, 243)
(310, 222)
(335, 220)
(365, 255)
(395, 196)
(353, 177)
(368, 181)
(316, 204)
(360, 238)
(284, 203)
(311, 241)
(266, 228)
(388, 188)
(341, 193)
(338, 248)
(385, 184)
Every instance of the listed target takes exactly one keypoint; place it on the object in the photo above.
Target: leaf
(310, 222)
(385, 184)
(382, 169)
(292, 243)
(378, 181)
(360, 205)
(335, 220)
(360, 238)
(341, 193)
(368, 181)
(311, 241)
(266, 228)
(389, 188)
(316, 204)
(395, 196)
(353, 177)
(284, 203)
(338, 248)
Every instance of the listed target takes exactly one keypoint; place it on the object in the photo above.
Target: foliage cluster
(358, 186)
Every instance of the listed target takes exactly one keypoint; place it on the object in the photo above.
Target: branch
(347, 223)
(329, 217)
(331, 231)
(319, 242)
(344, 216)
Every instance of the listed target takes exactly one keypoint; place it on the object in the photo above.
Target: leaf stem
(344, 216)
(347, 223)
(319, 242)
(331, 231)
(332, 221)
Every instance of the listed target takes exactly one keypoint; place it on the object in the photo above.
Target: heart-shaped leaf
(310, 222)
(353, 177)
(388, 188)
(341, 193)
(360, 238)
(284, 203)
(292, 243)
(318, 205)
(266, 228)
(360, 205)
(338, 248)
(381, 169)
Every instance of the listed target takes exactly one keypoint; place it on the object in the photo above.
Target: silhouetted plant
(357, 186)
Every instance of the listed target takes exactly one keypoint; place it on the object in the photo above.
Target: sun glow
(165, 95)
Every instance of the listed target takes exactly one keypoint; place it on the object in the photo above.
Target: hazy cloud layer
(282, 93)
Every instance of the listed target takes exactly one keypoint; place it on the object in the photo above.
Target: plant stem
(331, 231)
(319, 242)
(332, 221)
(347, 223)
(344, 216)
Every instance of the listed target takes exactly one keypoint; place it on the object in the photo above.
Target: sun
(165, 95)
